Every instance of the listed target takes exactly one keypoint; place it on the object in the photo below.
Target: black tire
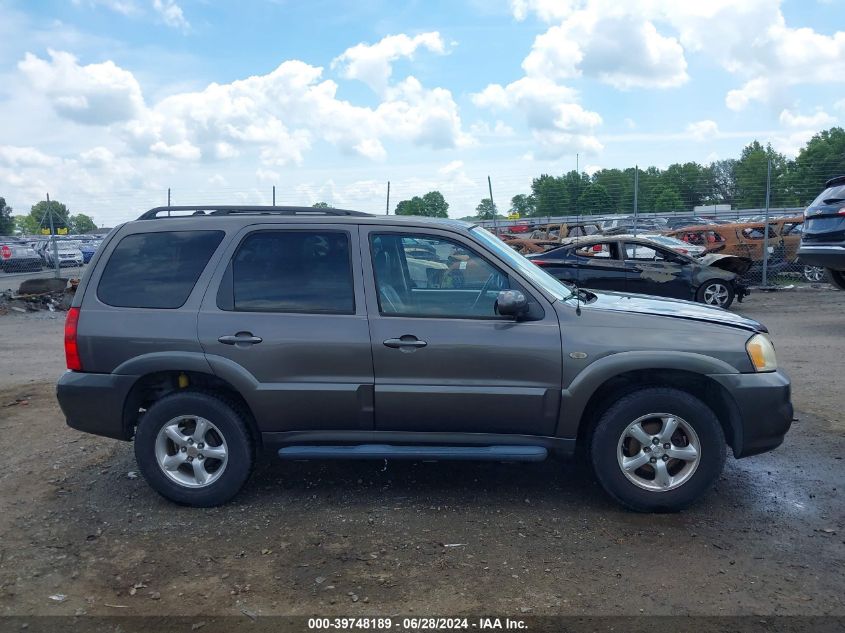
(232, 427)
(611, 426)
(836, 278)
(704, 290)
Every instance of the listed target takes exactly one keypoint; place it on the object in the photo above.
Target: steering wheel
(483, 290)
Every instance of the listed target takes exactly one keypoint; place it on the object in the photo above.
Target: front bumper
(764, 409)
(94, 403)
(830, 256)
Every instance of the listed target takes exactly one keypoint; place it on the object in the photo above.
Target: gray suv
(210, 335)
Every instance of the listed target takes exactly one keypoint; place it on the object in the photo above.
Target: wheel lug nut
(646, 449)
(200, 456)
(190, 440)
(665, 458)
(183, 449)
(653, 460)
(655, 441)
(667, 446)
(190, 459)
(201, 445)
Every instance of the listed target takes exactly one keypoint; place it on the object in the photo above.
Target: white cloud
(703, 130)
(373, 63)
(546, 10)
(171, 14)
(14, 156)
(498, 129)
(818, 120)
(840, 105)
(95, 94)
(559, 124)
(279, 115)
(622, 50)
(619, 43)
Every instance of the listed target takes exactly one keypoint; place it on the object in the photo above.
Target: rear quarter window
(156, 270)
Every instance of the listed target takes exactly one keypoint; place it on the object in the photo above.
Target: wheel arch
(597, 387)
(153, 386)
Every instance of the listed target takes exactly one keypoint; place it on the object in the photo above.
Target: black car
(823, 237)
(639, 265)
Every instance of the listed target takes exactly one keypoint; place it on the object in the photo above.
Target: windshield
(536, 274)
(831, 193)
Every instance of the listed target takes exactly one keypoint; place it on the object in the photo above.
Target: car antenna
(577, 221)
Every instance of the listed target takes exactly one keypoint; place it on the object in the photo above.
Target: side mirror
(511, 303)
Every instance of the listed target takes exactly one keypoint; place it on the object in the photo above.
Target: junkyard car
(215, 332)
(823, 239)
(637, 264)
(16, 257)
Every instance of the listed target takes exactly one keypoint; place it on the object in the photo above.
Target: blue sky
(107, 103)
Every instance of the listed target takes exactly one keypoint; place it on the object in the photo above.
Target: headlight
(762, 353)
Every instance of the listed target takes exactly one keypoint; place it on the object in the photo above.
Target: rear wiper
(833, 200)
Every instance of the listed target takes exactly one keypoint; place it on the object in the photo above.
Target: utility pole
(387, 204)
(636, 195)
(493, 205)
(53, 237)
(274, 195)
(168, 202)
(766, 225)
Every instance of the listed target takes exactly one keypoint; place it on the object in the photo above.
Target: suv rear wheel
(837, 278)
(657, 449)
(194, 449)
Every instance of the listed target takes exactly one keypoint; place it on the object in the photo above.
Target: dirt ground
(80, 532)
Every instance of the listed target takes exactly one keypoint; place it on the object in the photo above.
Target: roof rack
(206, 210)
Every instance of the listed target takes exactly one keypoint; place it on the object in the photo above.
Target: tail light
(71, 348)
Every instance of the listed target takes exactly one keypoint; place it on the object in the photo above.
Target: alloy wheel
(716, 294)
(191, 451)
(659, 452)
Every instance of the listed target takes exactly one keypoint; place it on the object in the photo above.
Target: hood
(673, 308)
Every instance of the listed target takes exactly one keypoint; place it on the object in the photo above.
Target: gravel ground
(421, 538)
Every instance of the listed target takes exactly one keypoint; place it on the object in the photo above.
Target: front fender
(577, 394)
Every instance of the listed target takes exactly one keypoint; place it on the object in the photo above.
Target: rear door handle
(241, 338)
(407, 340)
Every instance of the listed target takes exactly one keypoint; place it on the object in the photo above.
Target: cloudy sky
(107, 103)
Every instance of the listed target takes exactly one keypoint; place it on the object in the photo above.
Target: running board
(389, 451)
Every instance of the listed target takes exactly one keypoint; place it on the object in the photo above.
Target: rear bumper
(830, 256)
(94, 403)
(765, 410)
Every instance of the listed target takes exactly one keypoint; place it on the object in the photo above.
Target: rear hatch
(825, 217)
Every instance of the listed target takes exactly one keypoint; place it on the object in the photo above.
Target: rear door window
(291, 271)
(156, 270)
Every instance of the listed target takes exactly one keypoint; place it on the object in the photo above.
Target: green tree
(7, 224)
(25, 224)
(81, 223)
(689, 181)
(575, 184)
(668, 200)
(821, 159)
(594, 200)
(435, 205)
(721, 182)
(523, 205)
(39, 219)
(432, 205)
(620, 188)
(320, 205)
(751, 171)
(486, 209)
(550, 195)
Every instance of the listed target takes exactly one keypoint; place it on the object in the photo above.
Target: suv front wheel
(658, 449)
(193, 448)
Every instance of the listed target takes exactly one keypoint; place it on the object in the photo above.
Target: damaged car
(643, 266)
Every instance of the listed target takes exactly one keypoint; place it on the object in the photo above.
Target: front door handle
(406, 341)
(241, 338)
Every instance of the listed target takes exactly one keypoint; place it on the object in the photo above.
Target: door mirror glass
(511, 303)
